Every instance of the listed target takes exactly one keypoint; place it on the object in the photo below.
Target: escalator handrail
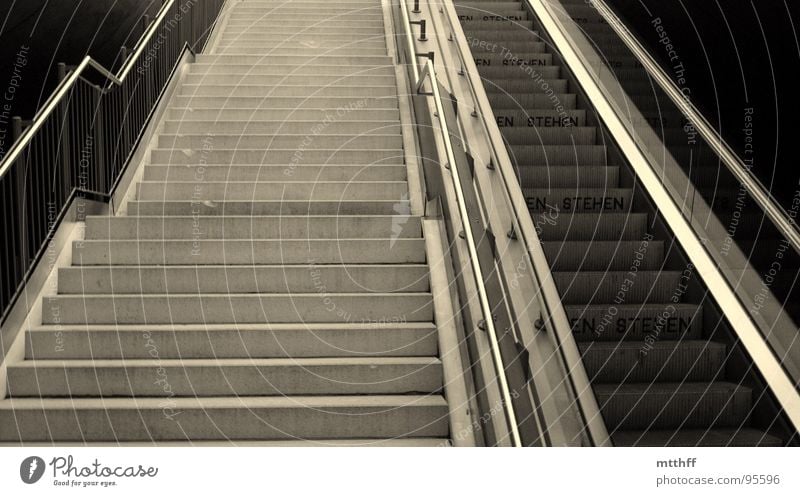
(555, 317)
(774, 210)
(62, 91)
(739, 318)
(428, 72)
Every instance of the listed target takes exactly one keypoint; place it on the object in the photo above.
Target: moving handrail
(554, 318)
(485, 306)
(776, 213)
(724, 294)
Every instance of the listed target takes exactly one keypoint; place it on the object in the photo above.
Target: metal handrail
(776, 213)
(741, 322)
(486, 309)
(554, 316)
(66, 84)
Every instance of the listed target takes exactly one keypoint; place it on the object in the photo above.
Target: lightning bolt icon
(32, 468)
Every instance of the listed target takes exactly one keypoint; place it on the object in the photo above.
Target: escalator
(664, 365)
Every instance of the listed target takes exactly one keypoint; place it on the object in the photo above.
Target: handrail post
(19, 200)
(422, 31)
(64, 134)
(98, 121)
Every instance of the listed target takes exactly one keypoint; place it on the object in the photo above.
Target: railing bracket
(512, 233)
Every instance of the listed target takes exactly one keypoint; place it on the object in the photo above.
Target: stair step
(519, 85)
(276, 156)
(287, 115)
(688, 438)
(532, 101)
(390, 140)
(665, 361)
(252, 227)
(604, 255)
(201, 191)
(485, 32)
(332, 103)
(304, 417)
(275, 49)
(552, 177)
(646, 323)
(248, 10)
(293, 30)
(224, 377)
(673, 405)
(301, 172)
(306, 38)
(233, 340)
(529, 118)
(579, 199)
(474, 15)
(275, 207)
(573, 226)
(340, 23)
(247, 251)
(550, 135)
(311, 17)
(239, 308)
(218, 127)
(634, 286)
(511, 59)
(283, 60)
(237, 279)
(289, 79)
(497, 24)
(478, 46)
(558, 155)
(286, 90)
(528, 73)
(290, 69)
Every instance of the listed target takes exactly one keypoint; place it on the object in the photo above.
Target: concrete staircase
(268, 281)
(659, 374)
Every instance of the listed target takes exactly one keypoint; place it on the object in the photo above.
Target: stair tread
(233, 326)
(226, 362)
(224, 402)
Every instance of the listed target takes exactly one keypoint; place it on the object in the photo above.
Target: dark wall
(35, 35)
(738, 55)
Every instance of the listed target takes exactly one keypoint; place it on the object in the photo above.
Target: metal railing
(508, 354)
(747, 331)
(553, 318)
(81, 140)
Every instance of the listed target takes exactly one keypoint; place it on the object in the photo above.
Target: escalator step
(672, 361)
(673, 405)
